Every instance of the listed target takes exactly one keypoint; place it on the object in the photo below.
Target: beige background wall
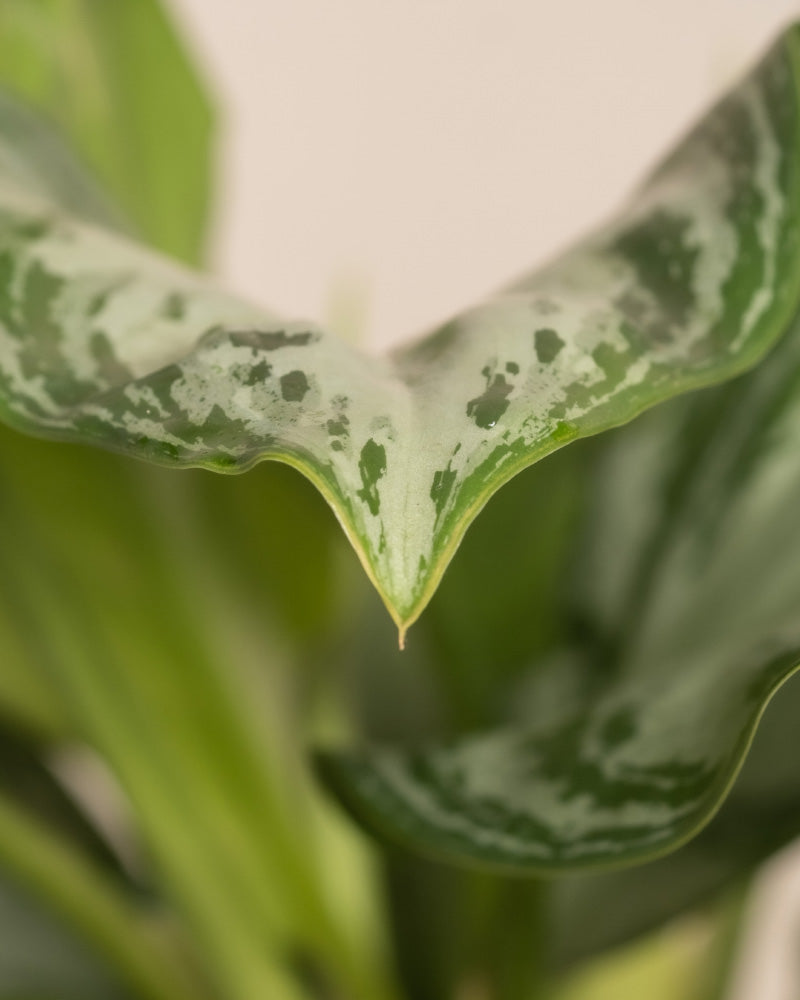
(386, 163)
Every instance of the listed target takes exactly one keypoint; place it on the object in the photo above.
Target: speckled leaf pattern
(692, 582)
(759, 817)
(104, 342)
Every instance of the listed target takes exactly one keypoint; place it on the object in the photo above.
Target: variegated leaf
(692, 582)
(759, 817)
(106, 343)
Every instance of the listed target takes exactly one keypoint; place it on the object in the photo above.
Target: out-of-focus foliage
(120, 85)
(589, 673)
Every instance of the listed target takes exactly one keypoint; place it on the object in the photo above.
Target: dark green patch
(371, 466)
(109, 368)
(33, 229)
(32, 318)
(618, 728)
(218, 432)
(664, 263)
(35, 321)
(174, 306)
(7, 311)
(487, 408)
(259, 373)
(270, 340)
(547, 343)
(614, 364)
(161, 383)
(745, 208)
(441, 488)
(338, 427)
(512, 368)
(294, 386)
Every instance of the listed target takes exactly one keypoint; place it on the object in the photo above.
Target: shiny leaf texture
(103, 342)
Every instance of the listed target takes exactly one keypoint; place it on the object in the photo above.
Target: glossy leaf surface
(105, 343)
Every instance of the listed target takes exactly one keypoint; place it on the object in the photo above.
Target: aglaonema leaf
(106, 343)
(103, 342)
(760, 815)
(690, 587)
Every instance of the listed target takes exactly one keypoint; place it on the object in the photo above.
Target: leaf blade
(169, 369)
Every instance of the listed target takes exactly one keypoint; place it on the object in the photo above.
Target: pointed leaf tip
(106, 343)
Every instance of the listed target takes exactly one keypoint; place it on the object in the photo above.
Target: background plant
(599, 621)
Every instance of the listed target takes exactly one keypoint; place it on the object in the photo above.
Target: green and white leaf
(692, 582)
(106, 343)
(103, 342)
(760, 816)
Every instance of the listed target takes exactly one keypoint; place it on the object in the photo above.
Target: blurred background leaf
(41, 958)
(122, 88)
